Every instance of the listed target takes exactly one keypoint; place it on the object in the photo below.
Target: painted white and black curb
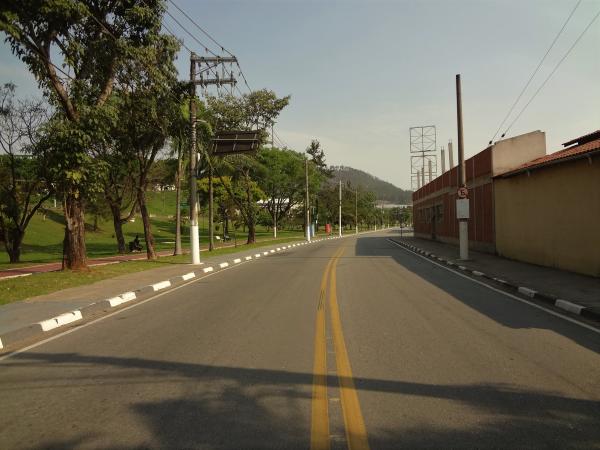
(38, 329)
(523, 290)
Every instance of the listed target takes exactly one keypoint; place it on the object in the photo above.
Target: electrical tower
(422, 155)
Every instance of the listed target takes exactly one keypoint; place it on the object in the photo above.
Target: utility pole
(197, 62)
(450, 156)
(194, 238)
(306, 205)
(463, 224)
(211, 210)
(356, 211)
(340, 211)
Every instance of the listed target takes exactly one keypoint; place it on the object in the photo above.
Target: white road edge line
(514, 297)
(99, 319)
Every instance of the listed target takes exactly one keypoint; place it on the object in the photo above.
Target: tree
(148, 105)
(283, 182)
(119, 187)
(91, 41)
(257, 110)
(24, 183)
(317, 155)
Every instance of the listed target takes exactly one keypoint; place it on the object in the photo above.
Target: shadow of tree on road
(236, 407)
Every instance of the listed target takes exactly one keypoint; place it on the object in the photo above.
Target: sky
(361, 73)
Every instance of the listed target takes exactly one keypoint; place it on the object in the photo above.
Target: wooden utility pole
(463, 224)
(194, 237)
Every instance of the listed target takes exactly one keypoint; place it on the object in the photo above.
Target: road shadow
(479, 298)
(226, 407)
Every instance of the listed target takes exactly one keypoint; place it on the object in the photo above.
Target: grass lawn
(15, 289)
(43, 238)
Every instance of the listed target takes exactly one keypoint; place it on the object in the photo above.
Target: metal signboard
(462, 208)
(232, 142)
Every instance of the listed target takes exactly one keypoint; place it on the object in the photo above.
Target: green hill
(383, 190)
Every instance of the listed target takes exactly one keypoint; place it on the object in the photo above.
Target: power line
(190, 34)
(178, 39)
(200, 28)
(535, 71)
(553, 70)
(211, 38)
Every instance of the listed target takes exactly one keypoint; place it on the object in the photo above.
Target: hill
(383, 190)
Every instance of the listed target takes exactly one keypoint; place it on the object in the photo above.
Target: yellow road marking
(356, 432)
(319, 436)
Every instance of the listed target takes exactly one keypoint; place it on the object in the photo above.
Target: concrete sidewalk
(581, 289)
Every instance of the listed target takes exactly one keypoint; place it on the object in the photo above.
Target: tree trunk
(211, 230)
(118, 225)
(12, 241)
(250, 212)
(251, 230)
(75, 252)
(275, 223)
(178, 250)
(149, 238)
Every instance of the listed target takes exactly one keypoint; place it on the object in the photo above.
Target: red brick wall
(439, 196)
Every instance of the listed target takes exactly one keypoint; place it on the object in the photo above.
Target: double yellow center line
(356, 432)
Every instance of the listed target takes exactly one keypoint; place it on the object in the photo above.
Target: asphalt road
(345, 343)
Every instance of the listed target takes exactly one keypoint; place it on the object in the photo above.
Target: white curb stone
(237, 261)
(567, 306)
(162, 285)
(61, 320)
(223, 265)
(188, 276)
(207, 269)
(265, 253)
(477, 273)
(257, 255)
(128, 296)
(526, 291)
(248, 258)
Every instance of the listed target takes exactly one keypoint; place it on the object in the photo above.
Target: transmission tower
(423, 157)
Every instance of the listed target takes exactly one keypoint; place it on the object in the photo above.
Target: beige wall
(552, 216)
(510, 153)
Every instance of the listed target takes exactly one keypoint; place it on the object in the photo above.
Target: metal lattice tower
(422, 154)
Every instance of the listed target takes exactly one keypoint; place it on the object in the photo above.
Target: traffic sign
(463, 192)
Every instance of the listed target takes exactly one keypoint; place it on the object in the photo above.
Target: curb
(39, 329)
(563, 304)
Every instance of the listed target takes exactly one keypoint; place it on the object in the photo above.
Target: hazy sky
(361, 73)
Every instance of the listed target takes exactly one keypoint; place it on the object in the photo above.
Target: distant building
(524, 204)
